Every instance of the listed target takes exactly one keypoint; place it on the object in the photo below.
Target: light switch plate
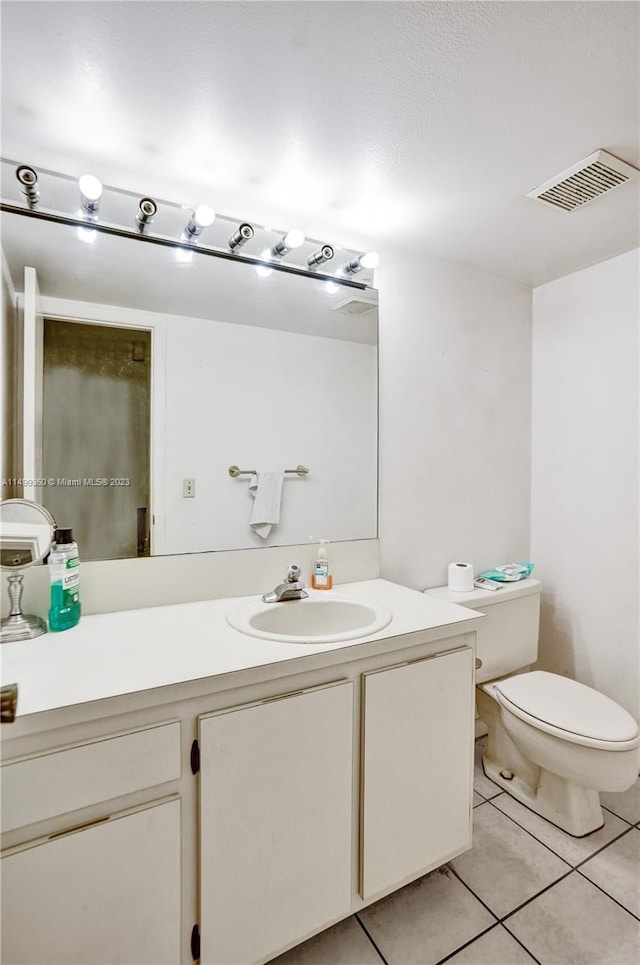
(188, 488)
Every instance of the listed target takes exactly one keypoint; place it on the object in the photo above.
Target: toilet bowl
(552, 743)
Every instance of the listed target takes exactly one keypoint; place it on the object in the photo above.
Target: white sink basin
(324, 617)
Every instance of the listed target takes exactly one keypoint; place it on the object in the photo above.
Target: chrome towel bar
(234, 471)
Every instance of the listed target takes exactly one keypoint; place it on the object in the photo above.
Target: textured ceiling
(422, 125)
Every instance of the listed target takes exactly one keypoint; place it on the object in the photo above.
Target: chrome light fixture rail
(53, 196)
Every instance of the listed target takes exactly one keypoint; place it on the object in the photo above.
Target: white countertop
(114, 654)
(480, 598)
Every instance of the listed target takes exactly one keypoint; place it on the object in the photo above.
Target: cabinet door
(107, 893)
(275, 823)
(417, 768)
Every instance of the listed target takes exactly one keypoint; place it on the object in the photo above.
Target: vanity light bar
(91, 191)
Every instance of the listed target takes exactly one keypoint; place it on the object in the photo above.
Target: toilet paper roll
(461, 577)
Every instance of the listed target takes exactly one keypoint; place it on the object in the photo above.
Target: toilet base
(570, 807)
(564, 802)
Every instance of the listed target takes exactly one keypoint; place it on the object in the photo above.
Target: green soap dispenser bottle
(64, 573)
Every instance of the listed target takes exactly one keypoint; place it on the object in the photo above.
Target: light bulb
(294, 238)
(331, 288)
(90, 188)
(201, 218)
(184, 256)
(369, 260)
(90, 194)
(204, 216)
(262, 271)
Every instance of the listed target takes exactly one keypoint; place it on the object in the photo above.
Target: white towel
(266, 489)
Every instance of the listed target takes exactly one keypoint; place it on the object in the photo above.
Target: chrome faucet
(291, 589)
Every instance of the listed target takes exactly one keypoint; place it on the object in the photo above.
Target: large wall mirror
(139, 373)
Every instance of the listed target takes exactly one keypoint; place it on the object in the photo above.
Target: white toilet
(553, 743)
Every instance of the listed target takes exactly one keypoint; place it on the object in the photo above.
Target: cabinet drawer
(53, 784)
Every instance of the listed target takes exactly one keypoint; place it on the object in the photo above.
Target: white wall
(455, 362)
(265, 399)
(585, 474)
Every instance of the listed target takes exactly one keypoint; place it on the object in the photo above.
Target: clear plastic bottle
(321, 578)
(64, 573)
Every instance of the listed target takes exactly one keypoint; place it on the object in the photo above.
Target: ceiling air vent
(584, 181)
(354, 305)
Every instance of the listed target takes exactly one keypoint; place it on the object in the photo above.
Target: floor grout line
(500, 921)
(446, 958)
(546, 888)
(615, 814)
(604, 847)
(521, 944)
(367, 933)
(518, 907)
(469, 888)
(537, 895)
(531, 834)
(606, 893)
(543, 843)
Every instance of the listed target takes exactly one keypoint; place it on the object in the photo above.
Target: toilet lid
(558, 703)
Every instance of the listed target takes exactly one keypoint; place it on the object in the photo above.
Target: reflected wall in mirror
(178, 370)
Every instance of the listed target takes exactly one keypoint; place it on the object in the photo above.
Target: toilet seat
(567, 709)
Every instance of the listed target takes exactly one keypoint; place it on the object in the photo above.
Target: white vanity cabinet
(90, 881)
(417, 751)
(275, 822)
(235, 797)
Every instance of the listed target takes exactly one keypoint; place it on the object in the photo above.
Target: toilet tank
(507, 639)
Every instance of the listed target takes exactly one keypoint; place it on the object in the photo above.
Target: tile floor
(527, 892)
